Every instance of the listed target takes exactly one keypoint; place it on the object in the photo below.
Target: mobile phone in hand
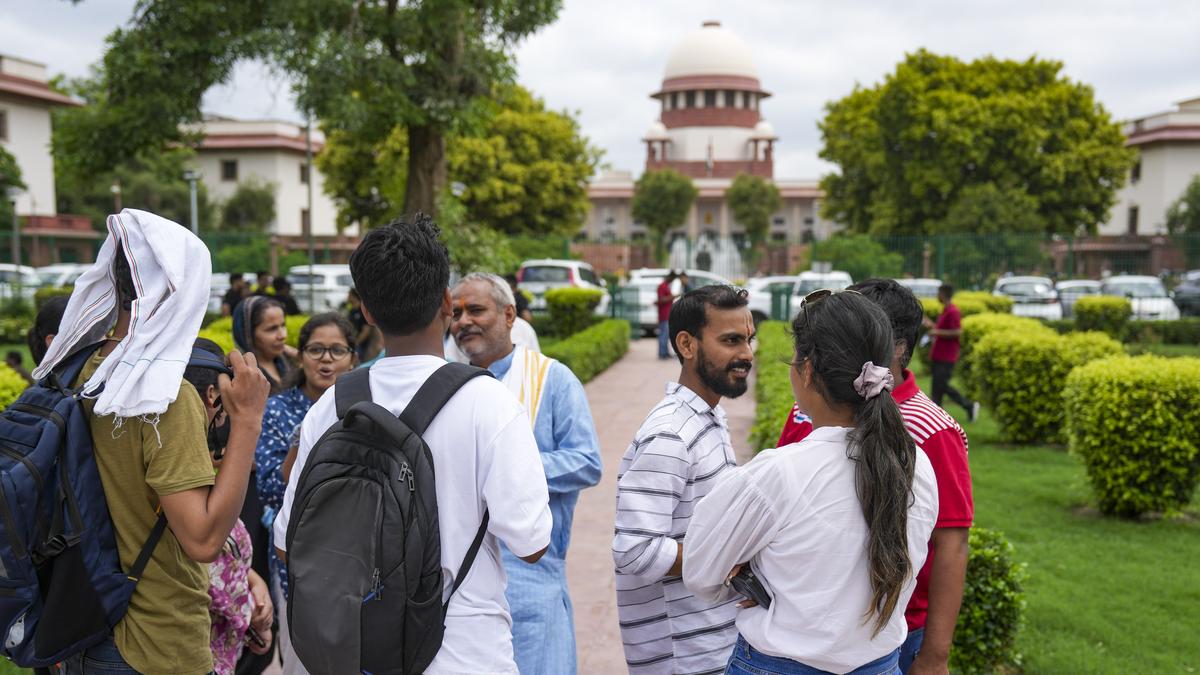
(750, 587)
(255, 637)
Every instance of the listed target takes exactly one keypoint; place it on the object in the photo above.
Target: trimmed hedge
(221, 331)
(572, 310)
(974, 328)
(993, 600)
(1020, 376)
(1185, 331)
(997, 304)
(1134, 423)
(11, 386)
(772, 386)
(591, 351)
(1106, 313)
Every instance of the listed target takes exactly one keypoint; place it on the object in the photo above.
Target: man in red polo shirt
(944, 353)
(933, 609)
(663, 300)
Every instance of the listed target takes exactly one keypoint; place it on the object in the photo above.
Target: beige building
(25, 102)
(1168, 146)
(711, 127)
(267, 151)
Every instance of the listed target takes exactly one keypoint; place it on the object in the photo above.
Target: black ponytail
(837, 335)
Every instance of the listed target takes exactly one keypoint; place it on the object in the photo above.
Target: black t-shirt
(232, 297)
(522, 302)
(290, 308)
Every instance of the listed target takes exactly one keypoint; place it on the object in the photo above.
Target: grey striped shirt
(672, 463)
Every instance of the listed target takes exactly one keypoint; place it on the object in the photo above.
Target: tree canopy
(661, 200)
(363, 68)
(1183, 216)
(10, 177)
(753, 201)
(907, 148)
(250, 208)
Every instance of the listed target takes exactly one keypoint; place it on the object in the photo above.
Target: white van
(320, 288)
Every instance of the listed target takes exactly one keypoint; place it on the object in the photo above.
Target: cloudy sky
(602, 58)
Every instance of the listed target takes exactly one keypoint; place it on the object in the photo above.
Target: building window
(730, 99)
(304, 173)
(691, 99)
(3, 125)
(808, 220)
(779, 221)
(304, 224)
(229, 169)
(1133, 220)
(1135, 174)
(710, 98)
(778, 236)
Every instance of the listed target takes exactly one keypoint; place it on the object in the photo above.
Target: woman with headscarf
(260, 327)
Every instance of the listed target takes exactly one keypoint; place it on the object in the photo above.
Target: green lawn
(1164, 350)
(1104, 595)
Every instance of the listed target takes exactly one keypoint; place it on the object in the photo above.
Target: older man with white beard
(484, 312)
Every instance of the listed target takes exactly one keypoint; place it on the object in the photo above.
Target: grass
(1164, 350)
(1104, 595)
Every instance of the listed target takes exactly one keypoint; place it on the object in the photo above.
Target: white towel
(172, 271)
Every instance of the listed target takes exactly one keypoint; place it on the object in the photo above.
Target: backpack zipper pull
(406, 475)
(376, 588)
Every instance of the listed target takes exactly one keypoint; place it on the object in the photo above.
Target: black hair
(281, 285)
(126, 291)
(837, 335)
(46, 324)
(13, 355)
(260, 308)
(690, 312)
(401, 271)
(235, 276)
(203, 378)
(946, 290)
(902, 309)
(296, 378)
(260, 275)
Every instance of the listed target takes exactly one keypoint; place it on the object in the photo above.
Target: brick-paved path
(620, 398)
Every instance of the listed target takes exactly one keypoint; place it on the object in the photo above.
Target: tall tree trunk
(426, 169)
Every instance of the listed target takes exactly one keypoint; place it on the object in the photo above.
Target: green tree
(363, 68)
(10, 177)
(250, 208)
(859, 255)
(1183, 216)
(473, 247)
(661, 200)
(908, 147)
(753, 201)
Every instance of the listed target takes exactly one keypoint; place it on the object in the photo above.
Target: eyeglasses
(317, 352)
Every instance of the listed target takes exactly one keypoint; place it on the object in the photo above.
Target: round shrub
(572, 309)
(1133, 422)
(993, 600)
(1020, 376)
(998, 304)
(1104, 313)
(974, 328)
(11, 386)
(933, 307)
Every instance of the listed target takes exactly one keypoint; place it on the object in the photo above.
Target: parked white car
(539, 276)
(1148, 296)
(922, 288)
(807, 282)
(761, 290)
(320, 288)
(1032, 296)
(14, 276)
(1071, 290)
(216, 291)
(646, 281)
(62, 274)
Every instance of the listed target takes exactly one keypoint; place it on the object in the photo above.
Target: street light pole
(191, 177)
(308, 157)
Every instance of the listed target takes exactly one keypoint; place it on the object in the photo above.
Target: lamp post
(116, 191)
(191, 177)
(308, 226)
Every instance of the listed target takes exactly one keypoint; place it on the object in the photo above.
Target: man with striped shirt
(933, 609)
(675, 459)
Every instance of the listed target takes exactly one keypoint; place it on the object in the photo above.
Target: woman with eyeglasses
(326, 349)
(834, 527)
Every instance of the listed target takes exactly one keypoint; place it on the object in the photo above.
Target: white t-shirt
(484, 456)
(795, 514)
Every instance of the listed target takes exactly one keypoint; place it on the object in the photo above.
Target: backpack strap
(350, 388)
(139, 565)
(435, 393)
(63, 377)
(468, 561)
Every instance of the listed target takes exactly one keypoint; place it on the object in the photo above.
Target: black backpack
(364, 553)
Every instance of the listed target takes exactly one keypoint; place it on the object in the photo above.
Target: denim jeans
(910, 648)
(103, 659)
(746, 661)
(664, 339)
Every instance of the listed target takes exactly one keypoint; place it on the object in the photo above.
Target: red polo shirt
(945, 349)
(664, 301)
(945, 444)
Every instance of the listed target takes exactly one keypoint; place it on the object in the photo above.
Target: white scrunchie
(873, 381)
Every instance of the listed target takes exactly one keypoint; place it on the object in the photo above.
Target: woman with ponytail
(834, 527)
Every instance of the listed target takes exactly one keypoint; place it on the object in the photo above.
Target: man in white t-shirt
(484, 453)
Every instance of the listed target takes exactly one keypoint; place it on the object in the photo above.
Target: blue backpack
(62, 588)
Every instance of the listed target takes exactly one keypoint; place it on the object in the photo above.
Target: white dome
(712, 50)
(764, 130)
(656, 132)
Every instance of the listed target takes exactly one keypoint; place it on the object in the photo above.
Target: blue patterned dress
(281, 424)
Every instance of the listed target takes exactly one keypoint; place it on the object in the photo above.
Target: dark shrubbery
(572, 309)
(992, 604)
(1134, 423)
(591, 351)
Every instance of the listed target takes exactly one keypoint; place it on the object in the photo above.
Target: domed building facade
(711, 127)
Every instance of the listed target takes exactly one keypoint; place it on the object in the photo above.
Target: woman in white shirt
(836, 526)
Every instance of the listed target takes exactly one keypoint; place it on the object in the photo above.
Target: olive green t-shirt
(166, 629)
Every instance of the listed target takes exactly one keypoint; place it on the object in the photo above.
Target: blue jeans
(101, 659)
(746, 661)
(664, 339)
(910, 648)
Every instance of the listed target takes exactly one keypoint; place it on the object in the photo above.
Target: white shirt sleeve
(514, 489)
(648, 494)
(320, 417)
(730, 525)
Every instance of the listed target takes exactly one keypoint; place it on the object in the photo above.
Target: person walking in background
(237, 292)
(932, 611)
(675, 459)
(283, 293)
(326, 352)
(262, 284)
(830, 530)
(944, 354)
(663, 301)
(484, 316)
(522, 305)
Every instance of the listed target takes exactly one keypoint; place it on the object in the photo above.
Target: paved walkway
(620, 398)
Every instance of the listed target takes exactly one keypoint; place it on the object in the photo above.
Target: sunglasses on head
(822, 293)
